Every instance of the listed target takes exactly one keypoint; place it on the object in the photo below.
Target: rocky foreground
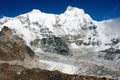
(17, 72)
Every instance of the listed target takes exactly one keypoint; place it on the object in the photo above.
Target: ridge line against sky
(97, 9)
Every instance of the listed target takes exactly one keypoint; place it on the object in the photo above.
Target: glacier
(71, 42)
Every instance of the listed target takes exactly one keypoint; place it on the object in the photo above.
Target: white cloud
(111, 27)
(114, 24)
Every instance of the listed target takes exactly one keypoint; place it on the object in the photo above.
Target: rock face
(111, 54)
(16, 72)
(56, 45)
(12, 47)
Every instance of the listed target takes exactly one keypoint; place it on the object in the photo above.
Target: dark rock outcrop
(55, 45)
(13, 47)
(111, 53)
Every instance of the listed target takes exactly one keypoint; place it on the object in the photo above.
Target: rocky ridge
(13, 47)
(18, 72)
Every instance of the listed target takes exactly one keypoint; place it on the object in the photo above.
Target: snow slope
(63, 67)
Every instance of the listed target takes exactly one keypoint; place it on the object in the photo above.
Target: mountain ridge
(72, 38)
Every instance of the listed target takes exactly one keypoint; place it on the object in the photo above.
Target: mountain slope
(72, 38)
(12, 47)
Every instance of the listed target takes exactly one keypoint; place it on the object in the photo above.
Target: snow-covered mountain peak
(35, 11)
(72, 22)
(72, 33)
(74, 9)
(76, 12)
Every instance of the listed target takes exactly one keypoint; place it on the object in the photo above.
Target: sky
(98, 9)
